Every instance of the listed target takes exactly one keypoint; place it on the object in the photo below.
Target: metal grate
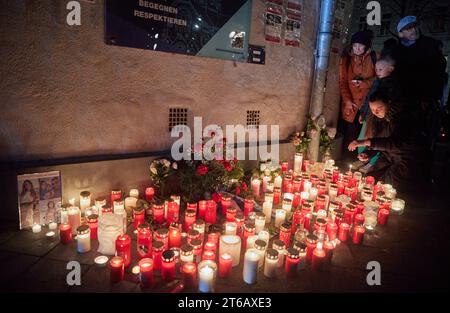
(177, 116)
(253, 118)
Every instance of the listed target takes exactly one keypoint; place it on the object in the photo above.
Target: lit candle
(284, 167)
(197, 249)
(168, 265)
(358, 234)
(189, 274)
(265, 181)
(225, 202)
(189, 219)
(249, 230)
(202, 204)
(208, 255)
(264, 235)
(256, 184)
(311, 243)
(261, 246)
(158, 212)
(157, 249)
(231, 214)
(85, 200)
(123, 249)
(193, 234)
(397, 206)
(285, 233)
(210, 246)
(173, 211)
(50, 235)
(187, 253)
(74, 216)
(280, 216)
(117, 269)
(72, 201)
(332, 230)
(276, 195)
(307, 186)
(144, 241)
(138, 216)
(146, 272)
(52, 226)
(199, 225)
(271, 263)
(280, 247)
(174, 235)
(313, 191)
(343, 231)
(328, 246)
(318, 257)
(115, 195)
(206, 275)
(287, 205)
(225, 264)
(292, 261)
(101, 260)
(260, 221)
(298, 160)
(134, 193)
(65, 233)
(231, 244)
(383, 215)
(149, 193)
(249, 204)
(301, 247)
(230, 228)
(359, 219)
(130, 203)
(211, 212)
(213, 236)
(36, 228)
(162, 234)
(250, 271)
(92, 221)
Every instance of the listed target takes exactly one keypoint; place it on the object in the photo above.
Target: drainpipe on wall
(320, 73)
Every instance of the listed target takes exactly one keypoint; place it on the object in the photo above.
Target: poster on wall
(282, 21)
(292, 32)
(39, 198)
(216, 28)
(274, 20)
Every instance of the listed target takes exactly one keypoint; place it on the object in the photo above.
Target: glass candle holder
(85, 200)
(199, 225)
(285, 233)
(271, 263)
(292, 261)
(231, 214)
(92, 222)
(230, 228)
(123, 248)
(189, 274)
(83, 239)
(231, 244)
(174, 235)
(168, 265)
(280, 216)
(144, 241)
(189, 219)
(117, 269)
(398, 206)
(158, 212)
(146, 272)
(249, 204)
(250, 270)
(65, 233)
(207, 271)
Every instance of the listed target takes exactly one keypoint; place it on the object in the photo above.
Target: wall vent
(177, 116)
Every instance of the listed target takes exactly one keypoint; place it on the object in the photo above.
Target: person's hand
(363, 157)
(356, 83)
(348, 107)
(360, 119)
(358, 143)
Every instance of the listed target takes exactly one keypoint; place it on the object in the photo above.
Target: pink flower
(238, 191)
(217, 197)
(227, 165)
(244, 186)
(202, 169)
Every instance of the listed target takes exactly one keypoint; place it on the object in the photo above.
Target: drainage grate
(253, 118)
(177, 116)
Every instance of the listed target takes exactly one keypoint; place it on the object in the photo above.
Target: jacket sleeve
(343, 80)
(399, 136)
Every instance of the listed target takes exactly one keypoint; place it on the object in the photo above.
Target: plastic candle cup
(225, 202)
(214, 237)
(343, 232)
(284, 167)
(158, 212)
(186, 253)
(276, 195)
(320, 224)
(173, 211)
(206, 276)
(281, 248)
(123, 248)
(138, 216)
(65, 233)
(117, 269)
(249, 204)
(174, 235)
(85, 200)
(225, 265)
(208, 255)
(189, 219)
(211, 212)
(197, 249)
(311, 243)
(230, 228)
(118, 206)
(298, 161)
(83, 239)
(280, 216)
(292, 261)
(261, 247)
(277, 182)
(332, 230)
(249, 230)
(328, 246)
(250, 271)
(74, 217)
(146, 272)
(168, 265)
(260, 222)
(287, 205)
(162, 234)
(231, 214)
(149, 193)
(398, 206)
(92, 221)
(301, 247)
(359, 219)
(264, 235)
(210, 246)
(50, 235)
(192, 234)
(251, 241)
(358, 234)
(285, 233)
(157, 249)
(144, 241)
(318, 257)
(106, 209)
(231, 244)
(199, 225)
(101, 260)
(52, 226)
(202, 208)
(192, 206)
(256, 184)
(271, 263)
(267, 210)
(189, 274)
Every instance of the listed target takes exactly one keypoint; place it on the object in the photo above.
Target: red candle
(328, 246)
(158, 212)
(359, 219)
(240, 224)
(297, 219)
(173, 212)
(92, 221)
(65, 232)
(158, 248)
(307, 221)
(139, 216)
(383, 216)
(285, 233)
(192, 206)
(359, 207)
(202, 209)
(144, 241)
(339, 216)
(311, 243)
(321, 189)
(116, 195)
(213, 238)
(249, 205)
(358, 234)
(349, 213)
(146, 272)
(225, 264)
(168, 265)
(231, 214)
(208, 255)
(318, 258)
(332, 230)
(249, 230)
(189, 274)
(343, 231)
(370, 180)
(117, 269)
(276, 195)
(296, 185)
(210, 246)
(174, 235)
(123, 248)
(292, 260)
(289, 187)
(197, 246)
(189, 219)
(211, 212)
(284, 167)
(335, 175)
(319, 203)
(320, 225)
(226, 202)
(192, 235)
(162, 234)
(149, 193)
(341, 187)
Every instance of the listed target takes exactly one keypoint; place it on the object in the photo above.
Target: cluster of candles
(312, 213)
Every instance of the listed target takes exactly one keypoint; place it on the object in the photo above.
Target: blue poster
(210, 28)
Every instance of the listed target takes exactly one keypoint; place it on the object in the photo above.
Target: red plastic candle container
(144, 241)
(307, 220)
(192, 235)
(319, 203)
(292, 260)
(157, 249)
(359, 219)
(162, 234)
(369, 180)
(192, 206)
(189, 219)
(158, 212)
(328, 246)
(189, 274)
(174, 235)
(210, 246)
(296, 200)
(320, 225)
(297, 219)
(249, 204)
(341, 187)
(285, 233)
(383, 215)
(225, 202)
(116, 195)
(349, 213)
(318, 258)
(208, 255)
(343, 231)
(202, 204)
(65, 233)
(335, 175)
(211, 212)
(296, 185)
(358, 234)
(123, 248)
(168, 265)
(332, 230)
(138, 216)
(225, 264)
(149, 193)
(284, 167)
(117, 269)
(146, 272)
(231, 214)
(213, 239)
(249, 230)
(92, 221)
(173, 212)
(311, 243)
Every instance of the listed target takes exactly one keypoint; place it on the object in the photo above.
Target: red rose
(227, 165)
(238, 191)
(202, 169)
(244, 186)
(217, 197)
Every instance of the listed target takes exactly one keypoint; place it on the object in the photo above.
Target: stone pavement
(413, 250)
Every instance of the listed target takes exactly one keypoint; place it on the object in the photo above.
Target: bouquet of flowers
(160, 170)
(326, 139)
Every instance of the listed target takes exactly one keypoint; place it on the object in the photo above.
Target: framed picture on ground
(39, 197)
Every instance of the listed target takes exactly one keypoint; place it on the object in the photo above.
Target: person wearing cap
(356, 74)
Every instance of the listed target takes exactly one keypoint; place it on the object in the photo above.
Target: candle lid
(199, 222)
(85, 194)
(158, 245)
(193, 233)
(231, 209)
(186, 249)
(321, 197)
(239, 217)
(115, 191)
(83, 229)
(214, 229)
(163, 232)
(350, 207)
(293, 253)
(249, 225)
(196, 243)
(300, 245)
(287, 200)
(278, 244)
(143, 226)
(321, 221)
(106, 207)
(272, 254)
(285, 227)
(138, 210)
(311, 238)
(260, 244)
(276, 189)
(168, 256)
(190, 212)
(92, 218)
(159, 203)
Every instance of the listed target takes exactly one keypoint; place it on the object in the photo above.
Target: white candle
(118, 205)
(266, 179)
(99, 203)
(307, 185)
(72, 201)
(280, 216)
(264, 235)
(52, 226)
(313, 193)
(176, 198)
(271, 263)
(287, 205)
(289, 196)
(251, 241)
(206, 275)
(50, 235)
(268, 196)
(134, 193)
(251, 260)
(85, 200)
(304, 195)
(267, 210)
(391, 193)
(256, 184)
(261, 247)
(232, 245)
(121, 212)
(101, 260)
(397, 206)
(260, 222)
(74, 218)
(278, 181)
(130, 202)
(230, 228)
(298, 160)
(83, 239)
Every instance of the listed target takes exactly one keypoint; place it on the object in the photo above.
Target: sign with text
(217, 28)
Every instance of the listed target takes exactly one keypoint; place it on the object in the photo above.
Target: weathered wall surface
(64, 92)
